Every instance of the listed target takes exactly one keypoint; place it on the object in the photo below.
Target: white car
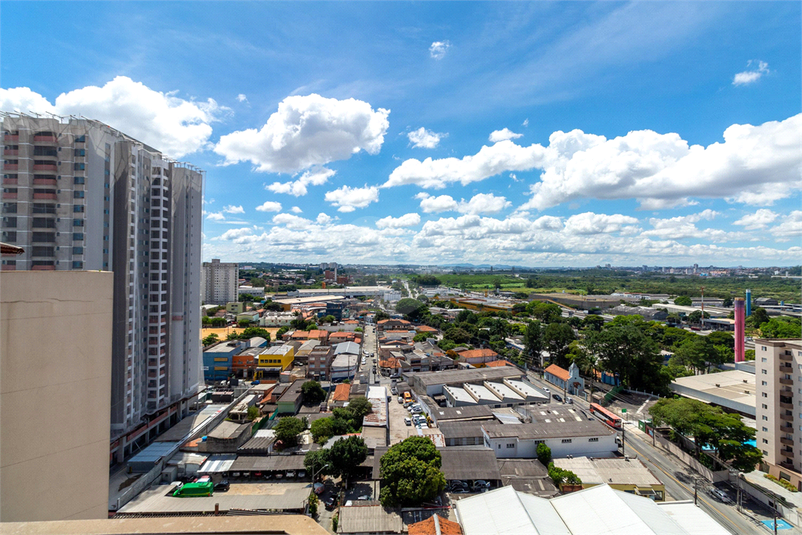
(407, 421)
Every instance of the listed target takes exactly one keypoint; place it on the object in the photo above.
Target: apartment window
(77, 250)
(79, 152)
(765, 441)
(78, 194)
(44, 222)
(79, 166)
(43, 251)
(78, 208)
(566, 441)
(763, 348)
(10, 236)
(79, 179)
(766, 430)
(77, 265)
(764, 359)
(10, 207)
(765, 406)
(77, 236)
(764, 372)
(594, 439)
(42, 208)
(764, 383)
(765, 452)
(39, 237)
(77, 222)
(765, 418)
(765, 395)
(80, 139)
(511, 445)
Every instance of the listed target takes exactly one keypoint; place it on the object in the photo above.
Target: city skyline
(519, 134)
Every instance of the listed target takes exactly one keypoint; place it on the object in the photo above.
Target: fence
(789, 512)
(714, 476)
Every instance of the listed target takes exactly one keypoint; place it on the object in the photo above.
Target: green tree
(622, 347)
(218, 322)
(287, 430)
(313, 392)
(253, 412)
(533, 343)
(245, 298)
(781, 328)
(727, 302)
(315, 461)
(695, 352)
(251, 332)
(543, 454)
(345, 456)
(545, 312)
(683, 300)
(422, 337)
(206, 321)
(359, 407)
(328, 319)
(313, 501)
(696, 316)
(411, 472)
(557, 337)
(281, 332)
(211, 339)
(759, 317)
(412, 308)
(593, 322)
(560, 476)
(457, 335)
(322, 430)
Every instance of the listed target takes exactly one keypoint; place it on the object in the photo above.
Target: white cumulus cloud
(503, 135)
(216, 216)
(323, 219)
(753, 165)
(296, 210)
(750, 76)
(430, 204)
(242, 98)
(173, 125)
(791, 226)
(482, 203)
(438, 49)
(269, 206)
(758, 220)
(292, 221)
(424, 139)
(316, 176)
(307, 131)
(348, 199)
(406, 220)
(231, 209)
(591, 223)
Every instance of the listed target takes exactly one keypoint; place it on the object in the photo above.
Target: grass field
(223, 332)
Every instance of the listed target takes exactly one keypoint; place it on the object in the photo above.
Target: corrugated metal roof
(218, 463)
(369, 519)
(154, 452)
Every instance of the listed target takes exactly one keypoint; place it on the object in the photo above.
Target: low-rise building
(432, 383)
(566, 430)
(235, 307)
(319, 363)
(274, 360)
(629, 475)
(567, 380)
(478, 356)
(343, 367)
(733, 390)
(302, 355)
(225, 438)
(291, 400)
(218, 359)
(276, 319)
(369, 520)
(250, 290)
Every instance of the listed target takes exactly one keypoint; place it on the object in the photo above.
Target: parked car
(459, 490)
(291, 474)
(222, 486)
(480, 484)
(407, 421)
(557, 398)
(394, 391)
(329, 503)
(301, 473)
(400, 400)
(364, 497)
(570, 401)
(720, 495)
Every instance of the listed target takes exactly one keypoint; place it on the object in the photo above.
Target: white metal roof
(347, 347)
(218, 463)
(599, 510)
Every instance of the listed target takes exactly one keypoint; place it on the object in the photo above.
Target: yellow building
(274, 360)
(235, 308)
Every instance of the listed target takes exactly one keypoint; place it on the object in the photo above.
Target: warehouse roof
(461, 429)
(469, 463)
(465, 376)
(565, 424)
(217, 464)
(615, 471)
(269, 463)
(369, 519)
(472, 412)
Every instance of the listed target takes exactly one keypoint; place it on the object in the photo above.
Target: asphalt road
(678, 479)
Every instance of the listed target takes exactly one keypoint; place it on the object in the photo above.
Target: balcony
(786, 358)
(46, 139)
(11, 167)
(11, 138)
(45, 182)
(45, 196)
(45, 167)
(10, 152)
(10, 181)
(786, 381)
(788, 465)
(787, 428)
(789, 406)
(786, 441)
(788, 453)
(43, 268)
(9, 195)
(787, 417)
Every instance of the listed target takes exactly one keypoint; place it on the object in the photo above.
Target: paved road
(678, 479)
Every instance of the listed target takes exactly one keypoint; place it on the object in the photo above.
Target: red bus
(605, 416)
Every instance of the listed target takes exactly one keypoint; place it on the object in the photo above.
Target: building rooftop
(346, 347)
(464, 376)
(725, 388)
(277, 350)
(613, 471)
(459, 394)
(504, 391)
(558, 372)
(565, 424)
(469, 463)
(369, 519)
(478, 353)
(435, 525)
(471, 412)
(456, 430)
(226, 430)
(224, 347)
(527, 389)
(481, 393)
(341, 392)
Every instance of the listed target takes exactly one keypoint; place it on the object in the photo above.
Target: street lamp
(316, 473)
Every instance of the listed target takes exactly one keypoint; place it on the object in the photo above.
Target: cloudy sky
(537, 134)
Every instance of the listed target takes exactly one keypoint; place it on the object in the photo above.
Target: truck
(192, 490)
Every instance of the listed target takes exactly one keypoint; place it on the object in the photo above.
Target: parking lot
(398, 430)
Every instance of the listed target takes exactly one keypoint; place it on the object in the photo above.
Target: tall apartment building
(219, 283)
(778, 378)
(79, 195)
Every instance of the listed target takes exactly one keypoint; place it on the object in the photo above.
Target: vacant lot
(223, 332)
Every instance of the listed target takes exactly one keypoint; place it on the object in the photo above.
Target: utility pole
(695, 491)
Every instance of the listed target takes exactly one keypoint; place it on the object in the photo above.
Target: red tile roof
(391, 362)
(497, 363)
(475, 353)
(558, 372)
(427, 527)
(425, 329)
(341, 392)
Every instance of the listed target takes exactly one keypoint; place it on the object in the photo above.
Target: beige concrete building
(778, 378)
(55, 394)
(219, 282)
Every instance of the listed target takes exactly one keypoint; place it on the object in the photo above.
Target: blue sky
(537, 134)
